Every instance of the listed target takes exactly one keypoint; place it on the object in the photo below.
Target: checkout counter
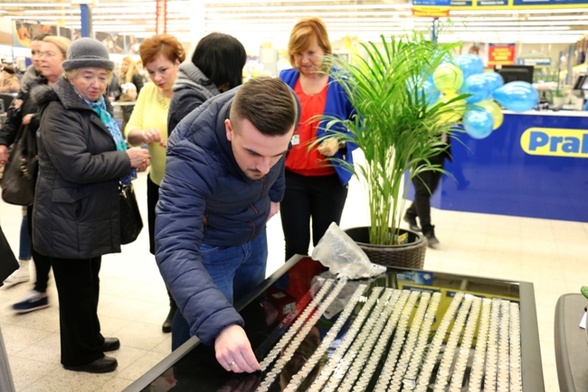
(534, 165)
(408, 329)
(571, 343)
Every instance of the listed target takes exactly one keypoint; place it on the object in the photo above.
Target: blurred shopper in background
(82, 159)
(425, 184)
(315, 190)
(52, 53)
(9, 82)
(22, 274)
(162, 55)
(33, 71)
(131, 83)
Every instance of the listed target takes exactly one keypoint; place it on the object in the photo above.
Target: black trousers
(42, 262)
(320, 198)
(425, 185)
(152, 199)
(78, 286)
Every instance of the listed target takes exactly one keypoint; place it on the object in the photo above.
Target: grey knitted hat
(87, 52)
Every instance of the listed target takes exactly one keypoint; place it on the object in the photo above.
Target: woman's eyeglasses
(47, 54)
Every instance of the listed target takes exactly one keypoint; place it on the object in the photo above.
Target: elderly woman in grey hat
(82, 159)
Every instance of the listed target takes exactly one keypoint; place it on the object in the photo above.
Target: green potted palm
(397, 126)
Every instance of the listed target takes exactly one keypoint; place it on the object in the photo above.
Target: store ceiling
(256, 22)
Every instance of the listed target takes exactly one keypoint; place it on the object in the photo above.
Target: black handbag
(18, 180)
(130, 217)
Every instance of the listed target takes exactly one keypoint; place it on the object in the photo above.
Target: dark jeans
(235, 270)
(425, 185)
(320, 198)
(42, 262)
(78, 286)
(24, 246)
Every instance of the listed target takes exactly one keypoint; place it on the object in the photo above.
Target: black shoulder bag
(130, 217)
(18, 180)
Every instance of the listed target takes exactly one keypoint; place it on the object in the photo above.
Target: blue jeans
(24, 247)
(235, 270)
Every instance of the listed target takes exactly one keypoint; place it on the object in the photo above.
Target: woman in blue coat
(315, 189)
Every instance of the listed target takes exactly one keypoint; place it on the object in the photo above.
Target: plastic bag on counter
(344, 258)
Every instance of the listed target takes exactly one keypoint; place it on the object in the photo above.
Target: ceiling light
(35, 5)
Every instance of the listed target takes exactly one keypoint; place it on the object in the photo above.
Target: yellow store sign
(556, 142)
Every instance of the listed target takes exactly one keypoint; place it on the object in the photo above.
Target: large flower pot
(409, 255)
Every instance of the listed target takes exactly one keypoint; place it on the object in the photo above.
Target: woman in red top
(315, 189)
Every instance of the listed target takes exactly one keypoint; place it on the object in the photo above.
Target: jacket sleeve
(65, 141)
(9, 129)
(183, 103)
(180, 214)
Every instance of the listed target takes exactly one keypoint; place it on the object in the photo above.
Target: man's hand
(274, 209)
(233, 351)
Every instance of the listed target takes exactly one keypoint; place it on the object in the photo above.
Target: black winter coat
(191, 89)
(76, 207)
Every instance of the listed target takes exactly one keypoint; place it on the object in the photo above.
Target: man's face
(255, 152)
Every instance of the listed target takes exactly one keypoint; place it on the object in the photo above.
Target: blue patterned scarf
(100, 108)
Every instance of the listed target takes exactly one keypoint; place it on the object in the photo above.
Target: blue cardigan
(337, 105)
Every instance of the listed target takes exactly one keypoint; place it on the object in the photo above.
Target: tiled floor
(133, 301)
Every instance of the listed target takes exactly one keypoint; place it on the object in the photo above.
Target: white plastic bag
(344, 258)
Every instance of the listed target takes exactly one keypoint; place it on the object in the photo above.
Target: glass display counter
(404, 330)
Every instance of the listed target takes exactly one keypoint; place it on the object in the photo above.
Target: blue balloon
(469, 64)
(431, 92)
(477, 87)
(427, 90)
(478, 122)
(477, 64)
(517, 96)
(494, 80)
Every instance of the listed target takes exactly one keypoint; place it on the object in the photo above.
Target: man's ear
(229, 129)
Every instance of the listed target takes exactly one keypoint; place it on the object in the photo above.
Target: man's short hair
(268, 103)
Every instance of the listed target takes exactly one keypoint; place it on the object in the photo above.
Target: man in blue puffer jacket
(224, 179)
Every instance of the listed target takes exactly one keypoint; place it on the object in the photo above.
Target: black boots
(433, 242)
(412, 223)
(167, 324)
